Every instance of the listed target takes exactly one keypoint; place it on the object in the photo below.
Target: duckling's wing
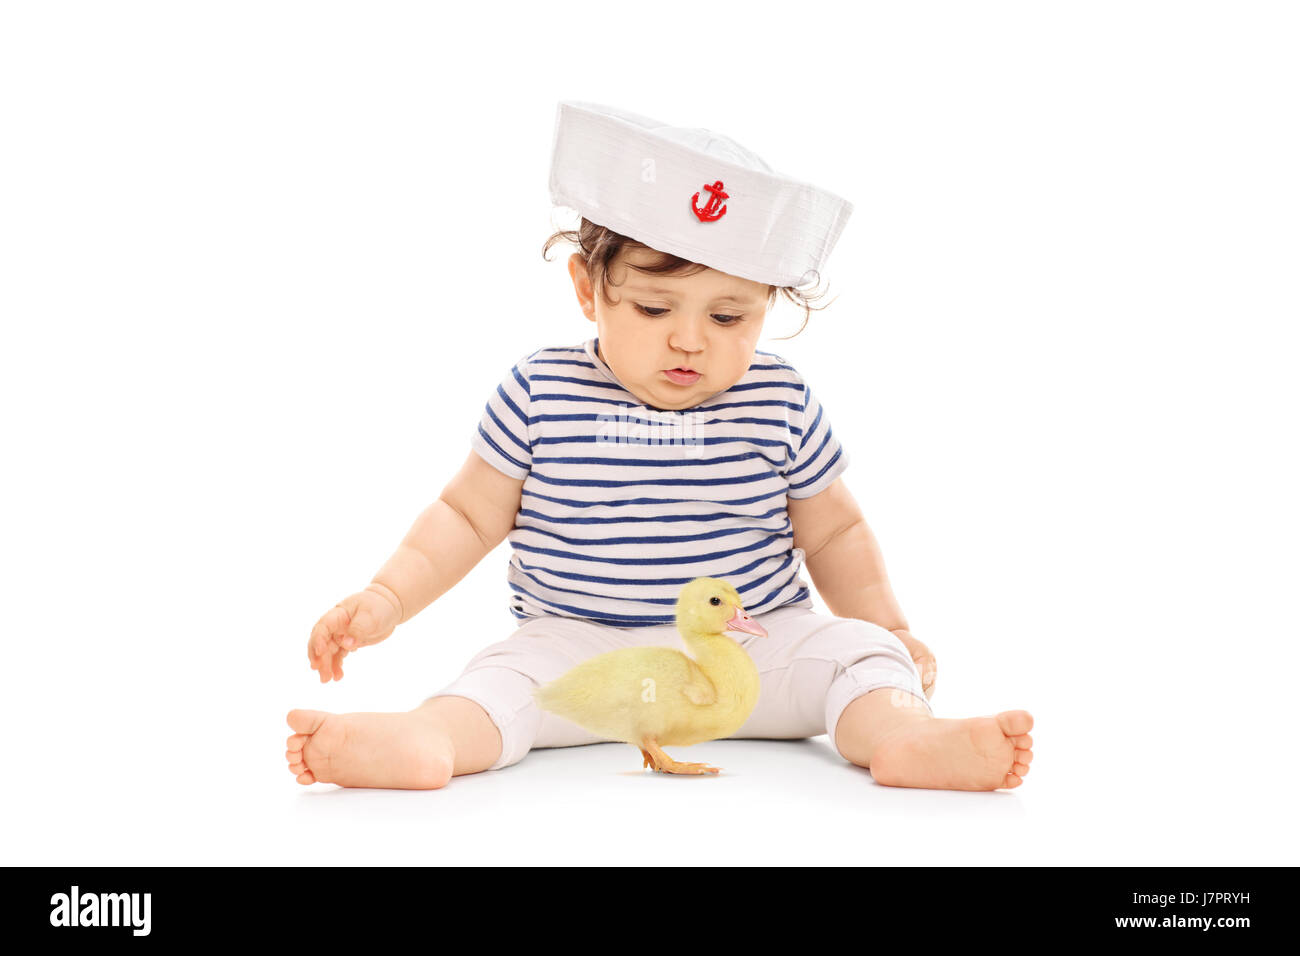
(698, 689)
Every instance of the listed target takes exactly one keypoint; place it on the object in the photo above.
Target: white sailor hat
(693, 193)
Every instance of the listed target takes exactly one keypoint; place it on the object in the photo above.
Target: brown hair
(600, 247)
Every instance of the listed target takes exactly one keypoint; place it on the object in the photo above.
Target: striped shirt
(624, 503)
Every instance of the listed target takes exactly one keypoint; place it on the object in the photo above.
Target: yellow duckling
(648, 696)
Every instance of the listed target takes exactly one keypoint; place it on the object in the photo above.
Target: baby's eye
(654, 313)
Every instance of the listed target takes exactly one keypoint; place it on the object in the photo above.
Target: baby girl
(665, 448)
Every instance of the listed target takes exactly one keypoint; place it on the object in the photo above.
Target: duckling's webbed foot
(658, 760)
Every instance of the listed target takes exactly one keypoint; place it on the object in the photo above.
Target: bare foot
(410, 751)
(979, 753)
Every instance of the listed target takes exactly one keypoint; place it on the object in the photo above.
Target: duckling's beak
(740, 621)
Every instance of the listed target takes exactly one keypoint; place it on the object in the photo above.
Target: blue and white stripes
(623, 504)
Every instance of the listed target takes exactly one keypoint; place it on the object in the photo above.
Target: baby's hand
(925, 663)
(364, 618)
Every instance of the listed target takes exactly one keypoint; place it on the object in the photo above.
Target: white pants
(811, 666)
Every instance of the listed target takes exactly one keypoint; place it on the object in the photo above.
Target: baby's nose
(687, 336)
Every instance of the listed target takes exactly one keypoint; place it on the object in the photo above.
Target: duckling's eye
(715, 601)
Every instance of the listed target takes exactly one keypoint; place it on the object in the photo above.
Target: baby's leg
(904, 746)
(418, 750)
(887, 726)
(502, 678)
(486, 719)
(856, 682)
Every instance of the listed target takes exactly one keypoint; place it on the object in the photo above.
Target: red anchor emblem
(711, 210)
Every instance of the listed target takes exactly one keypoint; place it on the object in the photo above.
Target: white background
(261, 265)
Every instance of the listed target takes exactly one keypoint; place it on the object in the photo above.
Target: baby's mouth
(681, 376)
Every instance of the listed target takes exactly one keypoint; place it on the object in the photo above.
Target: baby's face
(708, 322)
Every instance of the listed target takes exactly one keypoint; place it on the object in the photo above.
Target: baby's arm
(471, 516)
(844, 560)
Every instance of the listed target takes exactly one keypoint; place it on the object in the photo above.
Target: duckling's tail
(564, 698)
(550, 697)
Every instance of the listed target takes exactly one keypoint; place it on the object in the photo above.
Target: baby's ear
(582, 286)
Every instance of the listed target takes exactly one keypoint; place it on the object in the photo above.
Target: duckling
(650, 696)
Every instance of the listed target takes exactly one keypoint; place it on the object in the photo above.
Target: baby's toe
(1015, 723)
(293, 753)
(306, 722)
(297, 763)
(1024, 756)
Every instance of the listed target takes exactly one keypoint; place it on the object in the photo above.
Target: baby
(665, 448)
